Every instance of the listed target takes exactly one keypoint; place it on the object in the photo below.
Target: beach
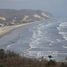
(6, 29)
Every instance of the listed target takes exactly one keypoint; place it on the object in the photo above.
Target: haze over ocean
(56, 7)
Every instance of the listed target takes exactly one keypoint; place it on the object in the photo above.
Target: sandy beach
(6, 29)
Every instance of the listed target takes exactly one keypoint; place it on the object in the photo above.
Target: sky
(56, 7)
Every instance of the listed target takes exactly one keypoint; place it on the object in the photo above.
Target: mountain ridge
(12, 16)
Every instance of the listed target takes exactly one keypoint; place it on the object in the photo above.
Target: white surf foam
(36, 37)
(61, 27)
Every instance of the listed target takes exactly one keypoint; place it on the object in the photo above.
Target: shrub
(2, 53)
(1, 65)
(63, 65)
(51, 63)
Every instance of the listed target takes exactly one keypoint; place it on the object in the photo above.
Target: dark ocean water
(38, 39)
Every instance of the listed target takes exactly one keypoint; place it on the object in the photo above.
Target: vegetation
(11, 59)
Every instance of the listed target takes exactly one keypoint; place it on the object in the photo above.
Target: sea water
(38, 39)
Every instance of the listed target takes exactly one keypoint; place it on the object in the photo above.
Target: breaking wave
(39, 39)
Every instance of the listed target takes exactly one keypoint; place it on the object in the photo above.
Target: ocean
(38, 39)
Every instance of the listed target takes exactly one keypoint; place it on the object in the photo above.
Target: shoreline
(6, 29)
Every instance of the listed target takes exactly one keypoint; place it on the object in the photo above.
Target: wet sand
(6, 29)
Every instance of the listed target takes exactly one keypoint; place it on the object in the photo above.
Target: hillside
(11, 59)
(11, 16)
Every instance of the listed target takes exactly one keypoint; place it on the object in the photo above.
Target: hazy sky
(57, 7)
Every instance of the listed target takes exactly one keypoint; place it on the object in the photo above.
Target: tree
(50, 57)
(2, 53)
